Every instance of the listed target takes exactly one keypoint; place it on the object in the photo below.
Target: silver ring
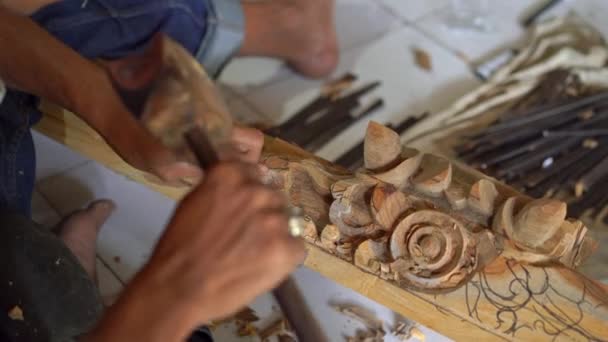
(296, 223)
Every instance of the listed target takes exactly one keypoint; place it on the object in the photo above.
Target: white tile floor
(376, 38)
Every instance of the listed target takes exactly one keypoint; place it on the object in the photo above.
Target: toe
(99, 211)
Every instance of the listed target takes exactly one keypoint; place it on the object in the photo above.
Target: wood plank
(506, 300)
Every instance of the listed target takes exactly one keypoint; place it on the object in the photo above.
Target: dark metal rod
(532, 17)
(298, 314)
(532, 117)
(324, 137)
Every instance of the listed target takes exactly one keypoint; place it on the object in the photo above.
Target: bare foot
(300, 31)
(79, 232)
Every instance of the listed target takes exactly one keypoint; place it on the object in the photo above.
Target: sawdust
(279, 328)
(16, 314)
(405, 330)
(243, 320)
(374, 327)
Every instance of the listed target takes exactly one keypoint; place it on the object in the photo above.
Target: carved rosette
(432, 251)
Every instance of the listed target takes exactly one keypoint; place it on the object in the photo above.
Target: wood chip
(374, 331)
(274, 328)
(246, 329)
(244, 320)
(360, 314)
(16, 314)
(287, 338)
(247, 315)
(279, 328)
(423, 59)
(405, 330)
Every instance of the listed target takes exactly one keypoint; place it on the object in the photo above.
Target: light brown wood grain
(506, 300)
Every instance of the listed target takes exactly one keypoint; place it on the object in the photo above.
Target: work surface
(376, 38)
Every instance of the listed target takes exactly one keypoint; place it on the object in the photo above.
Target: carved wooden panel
(427, 225)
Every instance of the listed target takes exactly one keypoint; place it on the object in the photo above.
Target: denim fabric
(114, 28)
(17, 159)
(211, 30)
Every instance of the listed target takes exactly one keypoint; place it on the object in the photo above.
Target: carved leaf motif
(482, 196)
(381, 147)
(456, 196)
(388, 205)
(400, 175)
(539, 233)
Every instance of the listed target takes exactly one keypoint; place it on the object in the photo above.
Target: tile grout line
(111, 270)
(414, 25)
(59, 173)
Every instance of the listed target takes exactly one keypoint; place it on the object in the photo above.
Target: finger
(262, 197)
(248, 142)
(176, 172)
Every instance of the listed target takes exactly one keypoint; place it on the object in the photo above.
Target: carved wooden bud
(456, 196)
(400, 175)
(388, 205)
(542, 234)
(482, 196)
(434, 176)
(538, 222)
(381, 147)
(432, 250)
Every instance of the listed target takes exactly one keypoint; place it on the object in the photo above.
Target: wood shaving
(247, 315)
(243, 320)
(418, 334)
(366, 336)
(423, 59)
(360, 314)
(279, 328)
(374, 331)
(246, 329)
(16, 314)
(287, 337)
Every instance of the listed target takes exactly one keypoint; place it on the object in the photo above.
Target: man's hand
(39, 64)
(227, 243)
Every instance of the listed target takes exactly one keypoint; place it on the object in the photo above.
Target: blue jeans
(211, 30)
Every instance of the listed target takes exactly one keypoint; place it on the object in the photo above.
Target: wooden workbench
(469, 313)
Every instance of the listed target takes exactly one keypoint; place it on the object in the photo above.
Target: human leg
(44, 282)
(300, 31)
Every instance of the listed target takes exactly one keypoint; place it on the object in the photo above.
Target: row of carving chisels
(558, 150)
(338, 106)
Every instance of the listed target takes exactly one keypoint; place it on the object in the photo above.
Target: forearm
(146, 312)
(35, 62)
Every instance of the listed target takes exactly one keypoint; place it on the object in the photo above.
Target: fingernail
(243, 148)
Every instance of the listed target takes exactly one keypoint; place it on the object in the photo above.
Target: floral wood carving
(470, 246)
(409, 218)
